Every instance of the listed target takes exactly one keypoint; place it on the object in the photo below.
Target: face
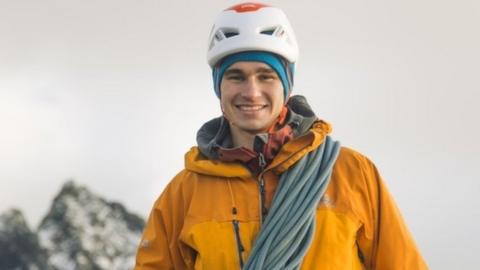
(251, 96)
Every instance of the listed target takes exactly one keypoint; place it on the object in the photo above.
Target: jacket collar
(215, 135)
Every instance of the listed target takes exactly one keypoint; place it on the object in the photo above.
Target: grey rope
(288, 229)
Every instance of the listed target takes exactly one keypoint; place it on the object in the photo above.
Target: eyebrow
(239, 71)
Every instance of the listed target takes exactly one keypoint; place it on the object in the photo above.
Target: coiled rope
(288, 229)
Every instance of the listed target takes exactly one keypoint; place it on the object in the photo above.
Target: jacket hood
(216, 132)
(308, 133)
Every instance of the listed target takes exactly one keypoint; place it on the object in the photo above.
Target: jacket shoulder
(351, 159)
(176, 189)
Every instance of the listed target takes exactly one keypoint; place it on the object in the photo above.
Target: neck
(241, 137)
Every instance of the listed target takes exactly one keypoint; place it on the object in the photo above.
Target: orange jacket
(358, 225)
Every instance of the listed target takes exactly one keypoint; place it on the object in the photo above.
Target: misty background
(111, 94)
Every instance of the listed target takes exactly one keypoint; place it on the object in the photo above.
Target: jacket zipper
(261, 189)
(262, 209)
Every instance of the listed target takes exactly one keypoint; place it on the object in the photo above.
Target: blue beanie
(283, 69)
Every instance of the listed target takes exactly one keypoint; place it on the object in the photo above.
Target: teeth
(250, 108)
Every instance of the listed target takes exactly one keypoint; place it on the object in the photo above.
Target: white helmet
(251, 27)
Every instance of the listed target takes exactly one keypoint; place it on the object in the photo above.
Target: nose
(251, 88)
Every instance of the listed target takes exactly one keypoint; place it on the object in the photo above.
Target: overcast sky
(111, 94)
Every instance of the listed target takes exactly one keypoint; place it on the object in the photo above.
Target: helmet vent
(230, 34)
(268, 32)
(276, 31)
(225, 33)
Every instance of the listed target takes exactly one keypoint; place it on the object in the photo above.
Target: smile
(250, 108)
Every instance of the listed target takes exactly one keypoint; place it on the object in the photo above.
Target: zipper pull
(240, 248)
(264, 209)
(261, 161)
(237, 231)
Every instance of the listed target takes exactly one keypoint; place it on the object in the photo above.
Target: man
(266, 187)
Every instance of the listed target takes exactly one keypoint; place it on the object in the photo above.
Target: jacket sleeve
(153, 251)
(160, 247)
(385, 242)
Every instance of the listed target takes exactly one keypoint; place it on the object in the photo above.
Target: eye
(234, 77)
(267, 77)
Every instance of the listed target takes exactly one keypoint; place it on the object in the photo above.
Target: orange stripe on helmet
(247, 7)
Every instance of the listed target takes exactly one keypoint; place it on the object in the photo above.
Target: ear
(223, 111)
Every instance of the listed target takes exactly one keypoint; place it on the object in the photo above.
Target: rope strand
(288, 229)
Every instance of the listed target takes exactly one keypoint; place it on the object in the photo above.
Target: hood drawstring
(232, 198)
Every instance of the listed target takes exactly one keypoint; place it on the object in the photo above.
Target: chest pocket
(334, 244)
(215, 243)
